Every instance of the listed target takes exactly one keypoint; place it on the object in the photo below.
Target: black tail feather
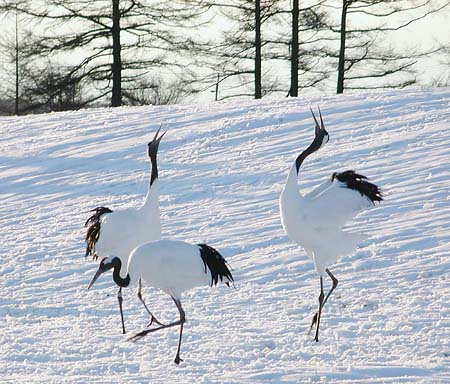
(359, 183)
(93, 232)
(216, 264)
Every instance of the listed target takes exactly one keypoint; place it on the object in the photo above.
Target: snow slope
(222, 168)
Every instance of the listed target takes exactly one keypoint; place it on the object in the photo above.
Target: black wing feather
(359, 183)
(216, 264)
(93, 232)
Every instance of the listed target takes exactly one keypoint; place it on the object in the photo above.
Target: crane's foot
(177, 360)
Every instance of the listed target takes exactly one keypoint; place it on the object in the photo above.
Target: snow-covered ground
(222, 168)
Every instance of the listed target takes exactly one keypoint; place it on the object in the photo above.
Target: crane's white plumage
(117, 233)
(122, 230)
(315, 221)
(173, 267)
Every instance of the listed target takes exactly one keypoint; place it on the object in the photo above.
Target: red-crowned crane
(172, 266)
(117, 233)
(315, 220)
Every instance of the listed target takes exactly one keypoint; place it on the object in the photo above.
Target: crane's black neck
(154, 173)
(117, 265)
(315, 145)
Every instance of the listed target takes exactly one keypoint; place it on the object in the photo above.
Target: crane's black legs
(180, 322)
(333, 287)
(152, 318)
(321, 301)
(120, 299)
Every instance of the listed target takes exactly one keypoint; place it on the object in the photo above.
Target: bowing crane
(172, 266)
(118, 232)
(315, 220)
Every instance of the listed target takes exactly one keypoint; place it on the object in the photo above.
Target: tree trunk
(116, 98)
(341, 65)
(258, 92)
(16, 104)
(293, 91)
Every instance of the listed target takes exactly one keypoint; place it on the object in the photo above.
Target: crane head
(154, 144)
(105, 265)
(321, 134)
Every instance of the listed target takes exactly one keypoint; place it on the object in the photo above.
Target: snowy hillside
(222, 167)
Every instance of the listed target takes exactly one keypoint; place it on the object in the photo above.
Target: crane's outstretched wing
(339, 199)
(319, 189)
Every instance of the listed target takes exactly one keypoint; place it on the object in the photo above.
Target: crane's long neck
(149, 215)
(291, 186)
(151, 200)
(154, 172)
(121, 282)
(315, 145)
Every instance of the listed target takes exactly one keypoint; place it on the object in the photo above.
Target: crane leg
(179, 322)
(139, 295)
(182, 321)
(333, 287)
(319, 313)
(120, 299)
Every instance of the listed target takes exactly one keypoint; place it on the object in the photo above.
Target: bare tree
(51, 88)
(293, 89)
(33, 86)
(442, 79)
(159, 92)
(299, 45)
(236, 56)
(361, 58)
(260, 39)
(15, 66)
(117, 41)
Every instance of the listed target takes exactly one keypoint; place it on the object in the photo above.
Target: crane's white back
(173, 266)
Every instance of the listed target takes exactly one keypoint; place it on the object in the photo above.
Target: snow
(222, 167)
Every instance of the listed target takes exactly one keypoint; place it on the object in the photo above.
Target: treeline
(62, 55)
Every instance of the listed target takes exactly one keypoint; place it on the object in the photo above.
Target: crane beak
(103, 267)
(320, 129)
(154, 144)
(157, 132)
(96, 276)
(157, 139)
(322, 126)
